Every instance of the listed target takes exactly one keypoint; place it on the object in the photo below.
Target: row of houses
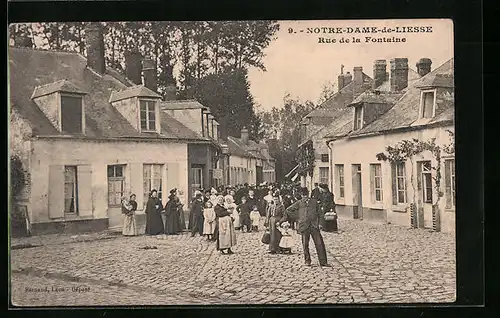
(345, 145)
(87, 135)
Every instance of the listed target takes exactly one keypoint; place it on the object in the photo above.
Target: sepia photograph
(272, 162)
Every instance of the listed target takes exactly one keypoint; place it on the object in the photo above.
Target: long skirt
(236, 218)
(208, 227)
(182, 221)
(226, 237)
(154, 223)
(129, 225)
(275, 235)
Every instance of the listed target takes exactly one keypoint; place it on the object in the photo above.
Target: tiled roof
(252, 150)
(237, 148)
(404, 112)
(30, 68)
(133, 91)
(182, 104)
(338, 100)
(58, 86)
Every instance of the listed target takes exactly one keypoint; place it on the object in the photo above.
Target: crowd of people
(217, 214)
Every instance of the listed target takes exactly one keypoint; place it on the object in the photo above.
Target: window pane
(401, 197)
(341, 192)
(147, 171)
(378, 183)
(428, 104)
(144, 124)
(71, 114)
(151, 125)
(378, 195)
(119, 171)
(111, 171)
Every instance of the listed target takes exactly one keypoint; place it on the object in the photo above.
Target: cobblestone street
(371, 263)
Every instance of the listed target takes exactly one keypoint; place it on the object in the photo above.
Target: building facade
(312, 130)
(413, 182)
(87, 136)
(249, 162)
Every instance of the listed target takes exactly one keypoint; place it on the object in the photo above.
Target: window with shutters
(323, 175)
(148, 115)
(398, 183)
(339, 176)
(116, 184)
(427, 104)
(376, 182)
(72, 120)
(152, 174)
(449, 165)
(427, 181)
(70, 190)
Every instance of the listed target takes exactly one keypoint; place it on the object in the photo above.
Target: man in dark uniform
(309, 218)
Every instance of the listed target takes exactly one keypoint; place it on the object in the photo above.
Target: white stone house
(402, 108)
(87, 136)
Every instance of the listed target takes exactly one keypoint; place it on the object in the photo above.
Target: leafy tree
(281, 125)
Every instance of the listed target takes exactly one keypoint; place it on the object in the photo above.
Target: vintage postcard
(232, 162)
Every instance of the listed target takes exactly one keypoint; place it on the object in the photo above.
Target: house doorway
(196, 177)
(357, 192)
(116, 190)
(425, 195)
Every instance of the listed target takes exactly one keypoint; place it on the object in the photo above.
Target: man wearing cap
(307, 213)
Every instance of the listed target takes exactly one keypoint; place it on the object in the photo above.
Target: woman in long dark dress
(275, 212)
(154, 221)
(172, 215)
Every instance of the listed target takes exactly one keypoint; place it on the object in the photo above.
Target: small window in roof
(71, 114)
(427, 104)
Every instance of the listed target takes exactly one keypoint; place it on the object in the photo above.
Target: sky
(297, 64)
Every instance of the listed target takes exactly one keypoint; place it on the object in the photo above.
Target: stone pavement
(371, 263)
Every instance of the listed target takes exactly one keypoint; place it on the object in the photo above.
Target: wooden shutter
(172, 176)
(84, 190)
(56, 191)
(447, 182)
(394, 184)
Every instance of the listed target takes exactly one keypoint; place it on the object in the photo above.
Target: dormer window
(62, 102)
(72, 115)
(358, 117)
(427, 104)
(148, 115)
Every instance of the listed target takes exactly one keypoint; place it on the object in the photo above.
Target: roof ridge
(44, 50)
(181, 101)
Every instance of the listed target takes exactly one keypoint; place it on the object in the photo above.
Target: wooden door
(357, 192)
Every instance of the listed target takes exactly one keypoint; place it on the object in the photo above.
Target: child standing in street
(286, 242)
(245, 221)
(209, 220)
(255, 218)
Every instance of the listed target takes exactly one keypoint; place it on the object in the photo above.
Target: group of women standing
(174, 218)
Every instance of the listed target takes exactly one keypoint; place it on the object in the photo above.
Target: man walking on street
(309, 218)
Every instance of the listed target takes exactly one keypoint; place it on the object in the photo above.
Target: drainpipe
(331, 164)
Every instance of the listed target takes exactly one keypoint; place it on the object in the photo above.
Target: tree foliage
(281, 125)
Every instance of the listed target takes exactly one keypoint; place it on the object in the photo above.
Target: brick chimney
(133, 66)
(399, 74)
(94, 42)
(149, 74)
(358, 78)
(347, 79)
(424, 66)
(244, 135)
(379, 73)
